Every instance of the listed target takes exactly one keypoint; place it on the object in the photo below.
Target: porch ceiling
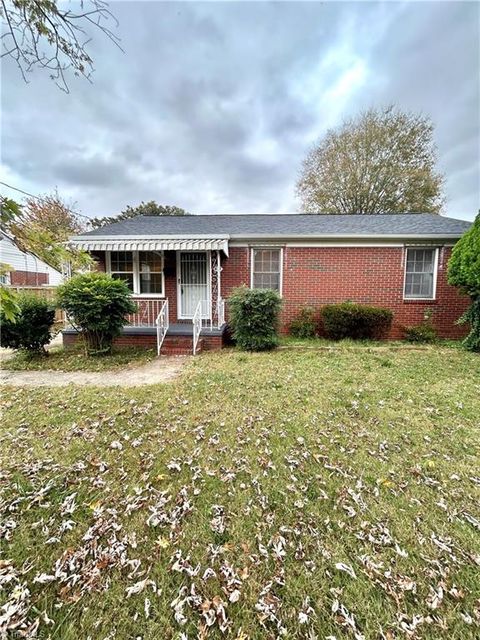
(178, 243)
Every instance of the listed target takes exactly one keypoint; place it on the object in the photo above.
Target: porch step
(175, 345)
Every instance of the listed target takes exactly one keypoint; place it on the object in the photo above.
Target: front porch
(206, 327)
(178, 296)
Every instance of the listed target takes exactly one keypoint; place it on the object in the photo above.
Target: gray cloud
(214, 105)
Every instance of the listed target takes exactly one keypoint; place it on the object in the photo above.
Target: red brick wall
(315, 276)
(235, 271)
(320, 275)
(28, 278)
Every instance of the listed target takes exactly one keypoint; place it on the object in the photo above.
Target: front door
(193, 283)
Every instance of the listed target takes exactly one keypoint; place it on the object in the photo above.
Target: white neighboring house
(27, 269)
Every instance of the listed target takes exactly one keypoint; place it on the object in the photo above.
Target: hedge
(357, 321)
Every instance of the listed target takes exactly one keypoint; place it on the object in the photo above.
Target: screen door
(194, 283)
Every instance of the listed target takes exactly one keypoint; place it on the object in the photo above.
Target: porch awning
(167, 243)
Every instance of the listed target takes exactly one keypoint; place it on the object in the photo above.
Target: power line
(41, 199)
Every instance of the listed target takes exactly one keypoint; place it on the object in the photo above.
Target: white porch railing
(162, 323)
(220, 312)
(147, 312)
(197, 326)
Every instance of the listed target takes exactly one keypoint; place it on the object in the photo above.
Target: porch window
(151, 271)
(121, 267)
(266, 269)
(142, 270)
(420, 273)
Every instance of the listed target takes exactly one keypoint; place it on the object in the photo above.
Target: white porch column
(216, 285)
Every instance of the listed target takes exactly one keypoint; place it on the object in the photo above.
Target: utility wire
(42, 199)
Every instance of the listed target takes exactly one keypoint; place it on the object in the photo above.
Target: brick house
(182, 269)
(25, 269)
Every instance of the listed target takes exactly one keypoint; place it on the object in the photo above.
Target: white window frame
(435, 272)
(136, 274)
(252, 263)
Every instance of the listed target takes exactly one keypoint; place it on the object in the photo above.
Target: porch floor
(177, 329)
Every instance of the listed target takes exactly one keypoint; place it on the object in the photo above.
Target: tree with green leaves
(464, 272)
(384, 161)
(150, 208)
(31, 328)
(42, 226)
(97, 306)
(53, 35)
(8, 300)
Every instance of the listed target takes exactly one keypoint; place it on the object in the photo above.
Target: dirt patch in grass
(287, 494)
(59, 359)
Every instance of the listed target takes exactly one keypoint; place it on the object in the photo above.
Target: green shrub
(97, 306)
(31, 328)
(304, 325)
(254, 318)
(420, 333)
(357, 321)
(424, 332)
(464, 272)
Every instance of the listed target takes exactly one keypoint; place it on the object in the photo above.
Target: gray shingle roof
(290, 225)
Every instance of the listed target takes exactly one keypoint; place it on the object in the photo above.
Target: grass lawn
(296, 494)
(60, 359)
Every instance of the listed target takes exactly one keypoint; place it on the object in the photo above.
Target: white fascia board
(324, 241)
(345, 236)
(165, 236)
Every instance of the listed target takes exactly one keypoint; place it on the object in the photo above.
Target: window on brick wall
(267, 269)
(151, 271)
(142, 270)
(121, 266)
(420, 273)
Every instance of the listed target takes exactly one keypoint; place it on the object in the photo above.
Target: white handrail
(197, 325)
(220, 312)
(162, 323)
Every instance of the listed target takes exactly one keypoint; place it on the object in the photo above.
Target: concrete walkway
(162, 369)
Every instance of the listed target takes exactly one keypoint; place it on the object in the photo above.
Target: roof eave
(347, 236)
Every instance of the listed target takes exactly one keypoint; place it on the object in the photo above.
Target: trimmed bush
(304, 325)
(97, 306)
(254, 318)
(422, 333)
(357, 321)
(31, 328)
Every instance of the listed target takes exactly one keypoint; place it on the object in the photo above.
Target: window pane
(258, 261)
(419, 273)
(151, 283)
(266, 281)
(128, 277)
(121, 260)
(266, 269)
(150, 261)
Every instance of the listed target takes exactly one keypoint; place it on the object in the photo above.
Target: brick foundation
(172, 345)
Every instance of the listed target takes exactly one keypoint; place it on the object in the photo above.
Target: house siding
(26, 268)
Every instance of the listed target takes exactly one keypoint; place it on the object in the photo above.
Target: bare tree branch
(45, 34)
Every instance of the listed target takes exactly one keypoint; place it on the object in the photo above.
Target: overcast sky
(213, 106)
